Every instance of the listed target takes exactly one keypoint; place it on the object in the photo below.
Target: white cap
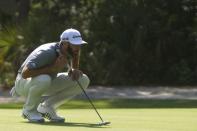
(72, 36)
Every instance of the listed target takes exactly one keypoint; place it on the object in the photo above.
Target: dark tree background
(131, 42)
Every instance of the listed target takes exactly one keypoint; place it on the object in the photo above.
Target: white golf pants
(57, 90)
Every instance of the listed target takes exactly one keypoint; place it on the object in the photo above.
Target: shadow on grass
(69, 124)
(119, 103)
(132, 103)
(153, 103)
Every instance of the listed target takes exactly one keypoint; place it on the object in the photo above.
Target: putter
(102, 123)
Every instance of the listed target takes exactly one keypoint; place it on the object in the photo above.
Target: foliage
(143, 42)
(131, 42)
(10, 54)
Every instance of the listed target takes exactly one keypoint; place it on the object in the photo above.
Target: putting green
(165, 119)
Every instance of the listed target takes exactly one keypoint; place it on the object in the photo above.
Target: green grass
(119, 103)
(124, 115)
(121, 120)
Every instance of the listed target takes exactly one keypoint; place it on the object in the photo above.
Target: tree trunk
(23, 10)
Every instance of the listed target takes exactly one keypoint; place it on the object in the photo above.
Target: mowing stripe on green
(119, 103)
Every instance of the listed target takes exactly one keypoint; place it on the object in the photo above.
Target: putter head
(104, 123)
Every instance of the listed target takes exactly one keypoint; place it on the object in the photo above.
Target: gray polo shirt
(42, 56)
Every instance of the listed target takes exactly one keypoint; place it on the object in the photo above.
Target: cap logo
(76, 36)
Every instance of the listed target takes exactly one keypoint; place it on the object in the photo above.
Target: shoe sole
(47, 116)
(33, 120)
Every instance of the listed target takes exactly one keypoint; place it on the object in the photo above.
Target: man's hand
(75, 74)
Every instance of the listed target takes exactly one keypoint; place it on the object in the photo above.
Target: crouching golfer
(40, 75)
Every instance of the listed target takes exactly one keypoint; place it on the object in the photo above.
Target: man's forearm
(26, 73)
(75, 61)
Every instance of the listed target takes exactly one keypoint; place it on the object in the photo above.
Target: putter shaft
(89, 100)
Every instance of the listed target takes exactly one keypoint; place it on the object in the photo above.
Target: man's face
(74, 48)
(70, 48)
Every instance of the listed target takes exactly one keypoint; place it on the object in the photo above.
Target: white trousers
(57, 90)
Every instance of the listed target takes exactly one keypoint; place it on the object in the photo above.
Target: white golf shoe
(32, 116)
(49, 113)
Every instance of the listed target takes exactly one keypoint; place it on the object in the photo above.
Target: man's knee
(42, 80)
(84, 81)
(40, 84)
